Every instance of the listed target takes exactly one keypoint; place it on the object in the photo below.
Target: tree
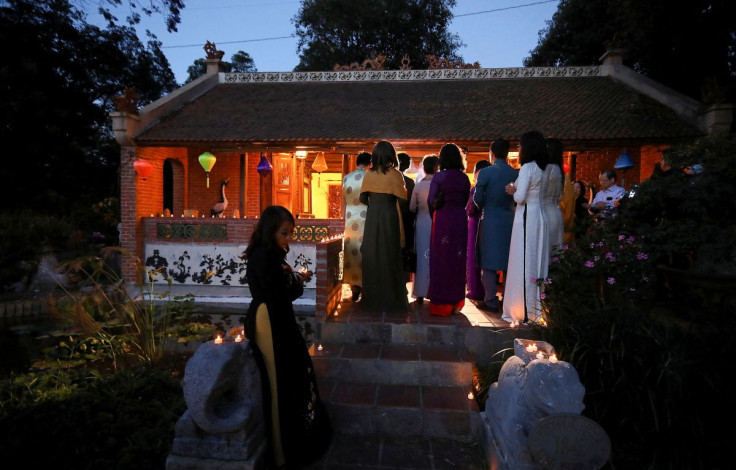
(685, 44)
(171, 7)
(240, 62)
(56, 90)
(340, 32)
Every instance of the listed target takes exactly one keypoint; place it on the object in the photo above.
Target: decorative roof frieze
(409, 75)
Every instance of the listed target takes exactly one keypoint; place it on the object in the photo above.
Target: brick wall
(589, 164)
(650, 155)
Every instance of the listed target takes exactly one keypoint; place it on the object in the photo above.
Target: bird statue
(218, 210)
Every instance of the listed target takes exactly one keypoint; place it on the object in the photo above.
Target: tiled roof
(585, 108)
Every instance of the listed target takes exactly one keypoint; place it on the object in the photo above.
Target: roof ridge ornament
(211, 50)
(369, 64)
(443, 63)
(127, 102)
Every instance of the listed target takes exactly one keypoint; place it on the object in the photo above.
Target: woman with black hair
(530, 249)
(298, 427)
(448, 193)
(384, 286)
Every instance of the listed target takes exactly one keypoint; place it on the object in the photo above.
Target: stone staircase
(403, 381)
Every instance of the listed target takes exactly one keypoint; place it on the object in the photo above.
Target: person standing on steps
(297, 423)
(407, 216)
(423, 228)
(472, 272)
(384, 287)
(355, 212)
(497, 219)
(448, 194)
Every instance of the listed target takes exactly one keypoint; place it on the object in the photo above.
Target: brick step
(442, 333)
(397, 364)
(378, 451)
(428, 411)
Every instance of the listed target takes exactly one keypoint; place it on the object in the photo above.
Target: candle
(540, 355)
(320, 348)
(470, 395)
(553, 358)
(529, 348)
(218, 340)
(238, 339)
(534, 347)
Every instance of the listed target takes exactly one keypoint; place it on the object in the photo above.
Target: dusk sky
(496, 33)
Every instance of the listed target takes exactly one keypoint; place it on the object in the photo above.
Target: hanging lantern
(143, 168)
(319, 165)
(264, 166)
(207, 160)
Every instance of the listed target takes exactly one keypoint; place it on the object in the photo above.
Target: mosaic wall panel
(220, 265)
(191, 231)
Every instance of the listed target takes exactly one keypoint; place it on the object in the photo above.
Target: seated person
(605, 202)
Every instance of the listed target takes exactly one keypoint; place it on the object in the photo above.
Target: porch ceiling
(582, 109)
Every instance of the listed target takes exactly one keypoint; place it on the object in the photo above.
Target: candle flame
(470, 395)
(553, 358)
(218, 340)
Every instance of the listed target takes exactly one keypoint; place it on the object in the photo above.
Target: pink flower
(589, 264)
(621, 237)
(542, 296)
(548, 281)
(641, 255)
(555, 259)
(611, 281)
(533, 279)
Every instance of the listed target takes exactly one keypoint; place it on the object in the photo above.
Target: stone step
(428, 411)
(396, 364)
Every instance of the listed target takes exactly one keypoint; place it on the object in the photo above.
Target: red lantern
(143, 168)
(566, 167)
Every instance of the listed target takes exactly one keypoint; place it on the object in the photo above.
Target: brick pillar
(128, 218)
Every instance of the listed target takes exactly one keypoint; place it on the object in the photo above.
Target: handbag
(409, 259)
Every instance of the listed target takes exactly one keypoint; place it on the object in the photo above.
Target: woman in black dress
(297, 423)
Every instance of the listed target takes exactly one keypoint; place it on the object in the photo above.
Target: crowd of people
(490, 243)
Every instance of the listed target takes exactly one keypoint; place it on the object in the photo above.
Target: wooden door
(283, 176)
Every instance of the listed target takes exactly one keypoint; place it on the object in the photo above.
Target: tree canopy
(686, 44)
(240, 62)
(340, 32)
(170, 9)
(57, 81)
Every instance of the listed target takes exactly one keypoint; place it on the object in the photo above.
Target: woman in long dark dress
(449, 245)
(299, 427)
(384, 285)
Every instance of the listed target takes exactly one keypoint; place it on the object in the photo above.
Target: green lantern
(207, 160)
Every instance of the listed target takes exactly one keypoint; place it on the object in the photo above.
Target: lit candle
(320, 348)
(238, 339)
(470, 395)
(540, 355)
(336, 313)
(534, 347)
(218, 340)
(553, 358)
(151, 215)
(529, 348)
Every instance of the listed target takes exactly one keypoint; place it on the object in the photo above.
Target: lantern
(319, 165)
(264, 166)
(623, 163)
(143, 168)
(207, 160)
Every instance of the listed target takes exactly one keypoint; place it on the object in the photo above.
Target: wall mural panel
(220, 265)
